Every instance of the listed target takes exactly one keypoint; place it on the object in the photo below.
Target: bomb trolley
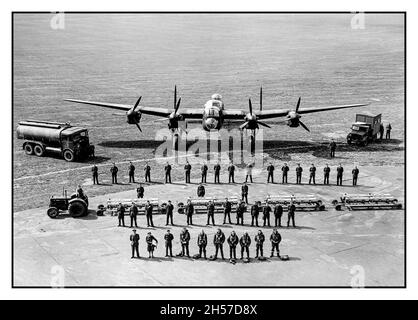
(201, 204)
(301, 202)
(112, 206)
(367, 202)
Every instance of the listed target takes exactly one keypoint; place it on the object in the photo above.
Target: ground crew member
(187, 169)
(168, 237)
(149, 239)
(266, 215)
(355, 172)
(240, 213)
(202, 241)
(255, 210)
(140, 191)
(270, 170)
(131, 172)
(218, 241)
(227, 211)
(217, 169)
(388, 130)
(79, 191)
(244, 192)
(148, 212)
(245, 243)
(211, 213)
(332, 148)
(201, 191)
(340, 171)
(204, 171)
(299, 174)
(184, 240)
(133, 213)
(327, 170)
(147, 170)
(381, 130)
(312, 171)
(134, 238)
(259, 242)
(291, 215)
(167, 170)
(121, 215)
(169, 213)
(189, 212)
(95, 172)
(249, 173)
(233, 242)
(278, 212)
(114, 170)
(231, 170)
(285, 170)
(275, 239)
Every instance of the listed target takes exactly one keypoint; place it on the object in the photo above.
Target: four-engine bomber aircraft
(214, 115)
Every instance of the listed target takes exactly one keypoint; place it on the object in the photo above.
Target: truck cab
(365, 129)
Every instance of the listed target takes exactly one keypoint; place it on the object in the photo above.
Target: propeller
(293, 118)
(174, 118)
(251, 121)
(134, 117)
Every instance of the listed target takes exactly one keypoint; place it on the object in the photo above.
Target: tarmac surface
(328, 248)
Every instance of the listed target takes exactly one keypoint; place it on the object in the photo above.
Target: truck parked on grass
(41, 137)
(365, 129)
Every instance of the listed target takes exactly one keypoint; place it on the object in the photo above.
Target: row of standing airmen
(202, 242)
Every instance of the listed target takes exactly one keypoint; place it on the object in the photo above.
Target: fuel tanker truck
(41, 137)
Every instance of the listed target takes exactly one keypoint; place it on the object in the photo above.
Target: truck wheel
(38, 150)
(77, 208)
(68, 155)
(52, 212)
(28, 149)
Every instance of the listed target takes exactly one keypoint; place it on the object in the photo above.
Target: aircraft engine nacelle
(133, 117)
(293, 123)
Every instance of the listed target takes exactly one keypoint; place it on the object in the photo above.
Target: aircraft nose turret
(211, 123)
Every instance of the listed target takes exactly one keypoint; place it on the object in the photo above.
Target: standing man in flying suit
(275, 239)
(168, 237)
(218, 241)
(245, 243)
(184, 240)
(211, 213)
(134, 238)
(244, 192)
(227, 211)
(259, 241)
(278, 212)
(189, 212)
(202, 241)
(233, 242)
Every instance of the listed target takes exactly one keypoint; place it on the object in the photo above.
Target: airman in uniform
(133, 213)
(169, 213)
(95, 172)
(121, 215)
(299, 171)
(187, 170)
(291, 215)
(278, 212)
(204, 171)
(332, 148)
(217, 169)
(201, 191)
(218, 241)
(167, 170)
(266, 215)
(148, 212)
(249, 174)
(244, 192)
(340, 171)
(270, 170)
(231, 171)
(227, 210)
(150, 244)
(233, 242)
(255, 210)
(240, 213)
(189, 210)
(134, 238)
(388, 130)
(245, 243)
(147, 170)
(184, 240)
(114, 170)
(211, 213)
(202, 241)
(381, 131)
(355, 172)
(327, 170)
(285, 170)
(312, 172)
(131, 172)
(168, 237)
(275, 239)
(259, 242)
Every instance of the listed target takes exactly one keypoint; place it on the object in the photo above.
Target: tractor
(77, 205)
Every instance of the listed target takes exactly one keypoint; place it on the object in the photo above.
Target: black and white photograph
(208, 149)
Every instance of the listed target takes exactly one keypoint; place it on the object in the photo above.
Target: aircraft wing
(234, 114)
(269, 114)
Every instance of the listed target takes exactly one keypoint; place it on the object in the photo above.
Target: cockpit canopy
(216, 96)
